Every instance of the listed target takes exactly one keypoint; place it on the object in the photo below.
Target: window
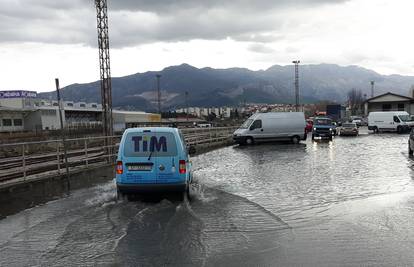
(324, 121)
(82, 105)
(401, 107)
(246, 124)
(48, 112)
(386, 107)
(396, 119)
(70, 104)
(183, 140)
(17, 122)
(94, 106)
(55, 104)
(7, 122)
(256, 125)
(142, 144)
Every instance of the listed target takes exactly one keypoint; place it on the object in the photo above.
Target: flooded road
(347, 202)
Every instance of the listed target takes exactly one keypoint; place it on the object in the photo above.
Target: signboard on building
(17, 94)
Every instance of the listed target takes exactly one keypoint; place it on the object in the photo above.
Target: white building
(22, 111)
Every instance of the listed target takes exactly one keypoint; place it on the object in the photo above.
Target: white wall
(11, 117)
(12, 102)
(50, 119)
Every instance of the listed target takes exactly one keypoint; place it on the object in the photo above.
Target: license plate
(140, 167)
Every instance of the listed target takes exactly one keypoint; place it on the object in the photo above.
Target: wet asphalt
(349, 202)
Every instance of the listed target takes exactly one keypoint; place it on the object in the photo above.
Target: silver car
(349, 129)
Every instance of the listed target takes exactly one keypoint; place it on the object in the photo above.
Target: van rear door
(166, 152)
(139, 161)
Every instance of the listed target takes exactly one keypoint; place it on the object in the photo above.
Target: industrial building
(389, 102)
(23, 111)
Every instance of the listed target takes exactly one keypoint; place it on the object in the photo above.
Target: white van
(396, 121)
(273, 126)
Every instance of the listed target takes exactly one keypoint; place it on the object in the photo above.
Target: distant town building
(23, 111)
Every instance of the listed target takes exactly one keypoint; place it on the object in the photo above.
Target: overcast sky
(44, 39)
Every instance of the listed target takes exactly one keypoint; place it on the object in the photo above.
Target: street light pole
(296, 62)
(186, 102)
(372, 88)
(158, 93)
(62, 132)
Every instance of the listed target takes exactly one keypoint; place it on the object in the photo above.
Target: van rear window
(142, 144)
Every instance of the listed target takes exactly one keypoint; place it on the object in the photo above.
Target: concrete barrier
(21, 196)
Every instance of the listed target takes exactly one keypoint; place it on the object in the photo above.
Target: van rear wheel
(119, 195)
(295, 139)
(187, 192)
(183, 195)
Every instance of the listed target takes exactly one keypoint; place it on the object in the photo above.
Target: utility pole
(372, 88)
(158, 93)
(296, 62)
(186, 102)
(62, 132)
(105, 68)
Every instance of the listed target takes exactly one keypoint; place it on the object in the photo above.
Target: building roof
(389, 93)
(16, 109)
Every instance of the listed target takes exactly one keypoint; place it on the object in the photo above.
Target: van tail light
(119, 167)
(182, 166)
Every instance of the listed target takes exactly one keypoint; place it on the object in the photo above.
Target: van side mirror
(191, 150)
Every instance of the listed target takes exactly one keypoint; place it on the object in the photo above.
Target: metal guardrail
(35, 160)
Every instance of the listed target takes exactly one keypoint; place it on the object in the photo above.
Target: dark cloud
(135, 22)
(161, 7)
(261, 48)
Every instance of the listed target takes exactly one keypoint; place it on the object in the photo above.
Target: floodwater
(346, 202)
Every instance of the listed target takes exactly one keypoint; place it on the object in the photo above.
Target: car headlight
(330, 129)
(314, 128)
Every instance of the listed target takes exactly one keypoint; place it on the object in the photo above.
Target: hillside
(218, 87)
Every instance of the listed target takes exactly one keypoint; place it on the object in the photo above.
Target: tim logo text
(152, 144)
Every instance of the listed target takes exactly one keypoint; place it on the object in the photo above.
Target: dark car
(323, 128)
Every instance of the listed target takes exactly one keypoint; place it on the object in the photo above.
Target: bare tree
(355, 101)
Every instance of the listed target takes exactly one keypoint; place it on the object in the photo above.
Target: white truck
(394, 121)
(272, 126)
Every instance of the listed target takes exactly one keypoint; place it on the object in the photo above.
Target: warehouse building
(23, 111)
(389, 102)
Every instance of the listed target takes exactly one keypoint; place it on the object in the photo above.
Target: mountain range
(209, 87)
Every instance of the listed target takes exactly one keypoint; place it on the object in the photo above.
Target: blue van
(152, 159)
